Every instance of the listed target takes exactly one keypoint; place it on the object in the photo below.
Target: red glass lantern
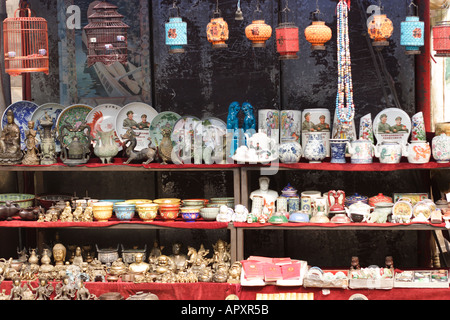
(287, 41)
(106, 35)
(25, 42)
(441, 39)
(287, 37)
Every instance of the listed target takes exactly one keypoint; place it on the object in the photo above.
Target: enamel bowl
(102, 211)
(167, 201)
(124, 211)
(190, 214)
(169, 212)
(147, 211)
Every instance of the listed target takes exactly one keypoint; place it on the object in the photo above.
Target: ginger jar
(258, 32)
(380, 30)
(440, 146)
(318, 33)
(290, 151)
(217, 32)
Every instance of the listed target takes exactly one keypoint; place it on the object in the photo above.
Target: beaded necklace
(345, 83)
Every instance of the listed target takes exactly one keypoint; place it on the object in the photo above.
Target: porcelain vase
(338, 148)
(315, 148)
(290, 151)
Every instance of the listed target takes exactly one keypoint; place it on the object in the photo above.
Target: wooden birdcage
(106, 35)
(25, 43)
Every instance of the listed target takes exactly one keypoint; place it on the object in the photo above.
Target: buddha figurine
(66, 214)
(10, 145)
(78, 213)
(83, 293)
(165, 268)
(78, 258)
(139, 266)
(221, 254)
(31, 157)
(59, 254)
(64, 290)
(177, 257)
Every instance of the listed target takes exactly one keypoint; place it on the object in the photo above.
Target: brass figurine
(10, 145)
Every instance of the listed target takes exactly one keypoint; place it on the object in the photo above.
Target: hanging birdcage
(106, 35)
(25, 42)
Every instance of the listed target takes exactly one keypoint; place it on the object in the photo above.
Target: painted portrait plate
(136, 116)
(23, 111)
(392, 124)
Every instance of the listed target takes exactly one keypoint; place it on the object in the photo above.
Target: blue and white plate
(23, 111)
(53, 110)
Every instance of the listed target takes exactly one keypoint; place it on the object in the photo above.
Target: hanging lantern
(318, 33)
(176, 32)
(287, 38)
(217, 30)
(412, 33)
(106, 35)
(258, 32)
(441, 39)
(25, 42)
(380, 29)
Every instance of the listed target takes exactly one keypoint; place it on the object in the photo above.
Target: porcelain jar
(379, 198)
(361, 151)
(389, 152)
(440, 146)
(417, 151)
(315, 148)
(289, 151)
(338, 148)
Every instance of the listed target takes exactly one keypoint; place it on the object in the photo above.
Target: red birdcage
(25, 43)
(106, 35)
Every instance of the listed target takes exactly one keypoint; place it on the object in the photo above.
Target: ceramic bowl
(278, 219)
(298, 217)
(357, 217)
(190, 214)
(194, 202)
(137, 201)
(48, 200)
(124, 211)
(23, 200)
(102, 211)
(147, 211)
(209, 213)
(169, 212)
(167, 201)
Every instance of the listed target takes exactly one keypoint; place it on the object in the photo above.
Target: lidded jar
(440, 146)
(289, 151)
(379, 198)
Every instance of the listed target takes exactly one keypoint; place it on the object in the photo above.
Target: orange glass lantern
(318, 33)
(217, 30)
(106, 35)
(441, 39)
(258, 32)
(287, 38)
(25, 43)
(380, 29)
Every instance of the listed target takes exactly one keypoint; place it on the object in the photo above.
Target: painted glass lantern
(217, 31)
(441, 39)
(287, 38)
(106, 35)
(380, 30)
(318, 33)
(258, 32)
(287, 41)
(412, 32)
(25, 42)
(176, 32)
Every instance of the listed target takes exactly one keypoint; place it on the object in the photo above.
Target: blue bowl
(124, 211)
(298, 217)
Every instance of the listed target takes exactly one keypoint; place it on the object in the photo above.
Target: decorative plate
(402, 208)
(213, 131)
(164, 120)
(392, 124)
(53, 110)
(23, 111)
(103, 118)
(74, 115)
(136, 116)
(183, 137)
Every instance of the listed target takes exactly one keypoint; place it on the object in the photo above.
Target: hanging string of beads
(344, 97)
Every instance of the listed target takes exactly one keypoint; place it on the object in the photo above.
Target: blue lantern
(412, 34)
(176, 32)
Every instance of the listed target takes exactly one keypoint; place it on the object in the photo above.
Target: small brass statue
(64, 290)
(83, 293)
(48, 140)
(10, 144)
(44, 290)
(75, 143)
(31, 157)
(355, 263)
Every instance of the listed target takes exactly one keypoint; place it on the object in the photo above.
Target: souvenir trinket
(47, 135)
(361, 151)
(31, 156)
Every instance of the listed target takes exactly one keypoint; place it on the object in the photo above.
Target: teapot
(417, 151)
(9, 210)
(361, 151)
(389, 152)
(359, 211)
(260, 141)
